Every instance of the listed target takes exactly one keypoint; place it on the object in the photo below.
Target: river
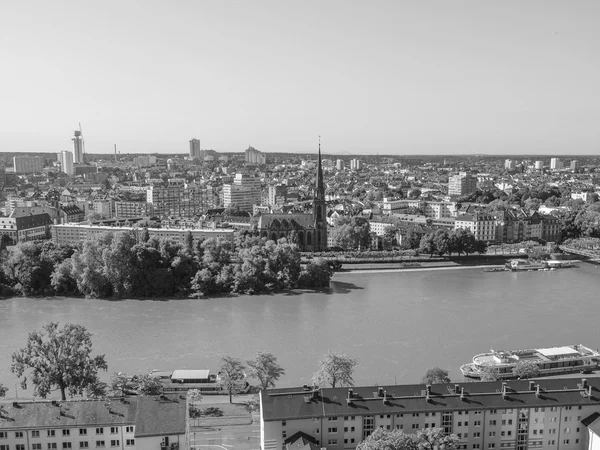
(397, 325)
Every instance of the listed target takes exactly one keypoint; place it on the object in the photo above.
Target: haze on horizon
(389, 77)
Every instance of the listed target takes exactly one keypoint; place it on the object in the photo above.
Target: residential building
(539, 165)
(76, 233)
(254, 156)
(547, 414)
(71, 214)
(78, 147)
(83, 169)
(462, 184)
(355, 164)
(481, 224)
(243, 192)
(66, 163)
(127, 424)
(551, 226)
(510, 164)
(575, 166)
(144, 160)
(195, 149)
(276, 194)
(179, 201)
(103, 206)
(556, 164)
(339, 164)
(585, 196)
(28, 164)
(128, 209)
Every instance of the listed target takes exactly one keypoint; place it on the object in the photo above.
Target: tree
(436, 439)
(264, 368)
(336, 370)
(3, 390)
(435, 376)
(231, 374)
(425, 439)
(58, 358)
(489, 372)
(526, 369)
(148, 385)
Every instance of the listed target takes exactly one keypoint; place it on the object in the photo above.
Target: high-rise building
(339, 165)
(539, 165)
(66, 163)
(555, 164)
(355, 164)
(28, 164)
(195, 149)
(510, 164)
(243, 193)
(575, 166)
(180, 202)
(462, 184)
(78, 147)
(276, 194)
(254, 156)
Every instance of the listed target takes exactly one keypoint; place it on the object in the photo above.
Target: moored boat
(550, 361)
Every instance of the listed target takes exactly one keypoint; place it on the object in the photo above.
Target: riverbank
(379, 269)
(465, 262)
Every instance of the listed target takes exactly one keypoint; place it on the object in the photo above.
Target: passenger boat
(185, 379)
(550, 361)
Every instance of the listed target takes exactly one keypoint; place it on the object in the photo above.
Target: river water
(397, 325)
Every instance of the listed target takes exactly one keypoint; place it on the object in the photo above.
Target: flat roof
(557, 351)
(190, 373)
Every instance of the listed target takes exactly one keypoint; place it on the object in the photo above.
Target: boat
(523, 264)
(550, 361)
(181, 380)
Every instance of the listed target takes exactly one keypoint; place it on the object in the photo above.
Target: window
(83, 432)
(381, 416)
(4, 447)
(502, 433)
(129, 429)
(36, 446)
(475, 446)
(477, 434)
(99, 431)
(492, 433)
(352, 429)
(3, 435)
(317, 431)
(493, 411)
(19, 434)
(352, 440)
(20, 447)
(492, 422)
(66, 445)
(130, 442)
(415, 414)
(567, 430)
(332, 442)
(566, 441)
(460, 424)
(283, 434)
(332, 419)
(66, 432)
(415, 426)
(99, 444)
(510, 421)
(345, 430)
(477, 423)
(115, 443)
(567, 419)
(491, 445)
(283, 422)
(467, 423)
(332, 430)
(51, 445)
(568, 408)
(83, 444)
(35, 433)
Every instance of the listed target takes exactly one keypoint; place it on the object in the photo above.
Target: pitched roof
(160, 416)
(301, 441)
(296, 403)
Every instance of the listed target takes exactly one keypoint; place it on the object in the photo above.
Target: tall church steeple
(320, 209)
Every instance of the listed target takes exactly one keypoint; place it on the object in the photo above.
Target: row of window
(65, 432)
(68, 445)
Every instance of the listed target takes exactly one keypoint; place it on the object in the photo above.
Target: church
(310, 229)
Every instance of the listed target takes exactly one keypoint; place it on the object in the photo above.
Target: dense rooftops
(297, 403)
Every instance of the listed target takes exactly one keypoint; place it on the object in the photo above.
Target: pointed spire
(320, 188)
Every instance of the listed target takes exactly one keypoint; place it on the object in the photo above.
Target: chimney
(504, 390)
(384, 397)
(584, 382)
(537, 390)
(462, 393)
(589, 392)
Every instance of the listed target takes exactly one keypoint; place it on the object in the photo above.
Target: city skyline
(404, 78)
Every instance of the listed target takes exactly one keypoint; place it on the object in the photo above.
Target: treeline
(441, 242)
(126, 264)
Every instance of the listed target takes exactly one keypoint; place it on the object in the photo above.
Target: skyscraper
(66, 163)
(195, 149)
(77, 147)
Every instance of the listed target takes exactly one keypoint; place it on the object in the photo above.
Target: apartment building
(125, 209)
(243, 192)
(481, 224)
(253, 156)
(462, 184)
(181, 202)
(27, 227)
(28, 164)
(125, 424)
(548, 414)
(75, 233)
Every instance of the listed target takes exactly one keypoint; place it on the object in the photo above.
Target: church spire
(320, 194)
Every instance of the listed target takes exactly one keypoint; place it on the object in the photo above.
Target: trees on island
(441, 242)
(58, 358)
(335, 370)
(129, 264)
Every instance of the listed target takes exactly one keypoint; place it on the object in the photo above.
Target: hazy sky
(400, 77)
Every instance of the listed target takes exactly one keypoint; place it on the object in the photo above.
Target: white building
(243, 192)
(66, 163)
(254, 156)
(481, 224)
(28, 164)
(539, 165)
(339, 164)
(355, 164)
(78, 148)
(555, 164)
(195, 149)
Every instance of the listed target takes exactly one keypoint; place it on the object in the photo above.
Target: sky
(390, 77)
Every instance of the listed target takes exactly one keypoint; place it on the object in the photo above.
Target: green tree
(436, 439)
(335, 370)
(489, 372)
(316, 274)
(148, 385)
(120, 385)
(58, 358)
(3, 390)
(265, 369)
(231, 374)
(435, 376)
(526, 369)
(395, 439)
(351, 233)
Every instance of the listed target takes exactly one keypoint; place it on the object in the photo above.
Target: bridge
(592, 256)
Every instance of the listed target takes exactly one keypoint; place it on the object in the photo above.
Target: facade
(28, 164)
(254, 156)
(180, 202)
(539, 165)
(244, 192)
(355, 164)
(575, 166)
(276, 194)
(28, 227)
(550, 228)
(131, 209)
(66, 163)
(71, 214)
(339, 164)
(144, 160)
(462, 184)
(78, 148)
(125, 424)
(195, 149)
(103, 206)
(481, 224)
(555, 164)
(548, 414)
(76, 233)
